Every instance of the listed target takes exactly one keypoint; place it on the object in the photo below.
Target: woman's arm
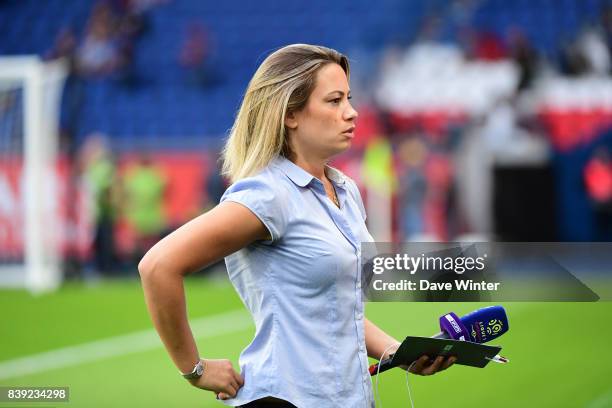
(377, 342)
(202, 241)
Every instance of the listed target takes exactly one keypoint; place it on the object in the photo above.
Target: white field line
(602, 401)
(205, 327)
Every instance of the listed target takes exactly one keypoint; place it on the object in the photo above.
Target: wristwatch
(197, 371)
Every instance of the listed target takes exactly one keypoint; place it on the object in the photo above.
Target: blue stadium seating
(165, 105)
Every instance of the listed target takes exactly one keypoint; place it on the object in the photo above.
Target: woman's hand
(424, 366)
(220, 378)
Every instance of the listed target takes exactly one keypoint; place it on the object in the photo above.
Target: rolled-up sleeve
(264, 200)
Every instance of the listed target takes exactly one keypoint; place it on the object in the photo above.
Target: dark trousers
(268, 403)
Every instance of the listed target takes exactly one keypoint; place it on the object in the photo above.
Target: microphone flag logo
(494, 326)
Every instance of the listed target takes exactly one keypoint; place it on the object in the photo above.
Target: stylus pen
(384, 366)
(498, 359)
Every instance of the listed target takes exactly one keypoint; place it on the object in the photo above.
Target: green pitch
(559, 352)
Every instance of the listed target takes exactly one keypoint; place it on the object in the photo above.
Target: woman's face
(325, 127)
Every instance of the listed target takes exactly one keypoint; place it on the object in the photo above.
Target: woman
(290, 229)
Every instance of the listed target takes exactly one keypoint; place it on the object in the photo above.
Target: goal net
(30, 95)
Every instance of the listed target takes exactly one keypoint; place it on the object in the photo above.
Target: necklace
(334, 196)
(331, 191)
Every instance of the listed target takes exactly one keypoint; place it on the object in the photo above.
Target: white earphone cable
(378, 373)
(408, 385)
(378, 398)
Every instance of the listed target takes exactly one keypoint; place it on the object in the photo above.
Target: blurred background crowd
(487, 119)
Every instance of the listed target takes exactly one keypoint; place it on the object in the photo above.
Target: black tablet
(466, 352)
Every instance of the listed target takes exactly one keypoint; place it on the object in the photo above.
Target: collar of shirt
(301, 177)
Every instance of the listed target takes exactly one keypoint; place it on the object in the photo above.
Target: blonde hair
(282, 84)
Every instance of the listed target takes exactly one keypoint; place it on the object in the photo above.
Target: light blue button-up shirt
(303, 289)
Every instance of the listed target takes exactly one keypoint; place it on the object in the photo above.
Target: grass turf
(558, 351)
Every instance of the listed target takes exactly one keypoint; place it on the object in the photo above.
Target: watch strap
(197, 371)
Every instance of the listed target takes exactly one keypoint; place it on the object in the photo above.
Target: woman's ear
(291, 120)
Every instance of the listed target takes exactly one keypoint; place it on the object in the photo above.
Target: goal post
(30, 98)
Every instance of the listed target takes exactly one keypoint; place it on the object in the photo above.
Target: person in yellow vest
(144, 188)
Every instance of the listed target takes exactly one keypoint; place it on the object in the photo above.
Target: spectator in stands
(72, 99)
(481, 45)
(64, 45)
(605, 24)
(598, 177)
(132, 18)
(598, 182)
(108, 46)
(593, 47)
(488, 46)
(99, 53)
(195, 56)
(142, 6)
(525, 56)
(571, 60)
(587, 54)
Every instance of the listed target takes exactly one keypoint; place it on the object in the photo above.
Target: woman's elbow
(156, 264)
(145, 266)
(149, 265)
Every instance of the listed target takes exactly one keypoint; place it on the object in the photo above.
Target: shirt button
(358, 285)
(359, 315)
